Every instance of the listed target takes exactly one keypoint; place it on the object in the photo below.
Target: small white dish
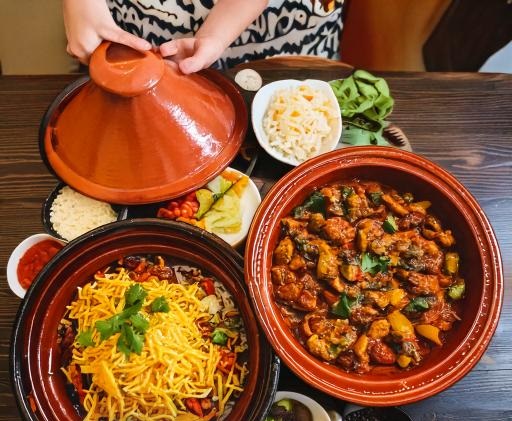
(249, 202)
(17, 254)
(261, 103)
(317, 411)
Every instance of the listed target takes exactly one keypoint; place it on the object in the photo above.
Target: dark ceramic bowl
(47, 206)
(35, 353)
(481, 268)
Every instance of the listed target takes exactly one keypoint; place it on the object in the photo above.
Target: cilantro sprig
(374, 264)
(131, 325)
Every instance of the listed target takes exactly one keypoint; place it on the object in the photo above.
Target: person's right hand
(88, 23)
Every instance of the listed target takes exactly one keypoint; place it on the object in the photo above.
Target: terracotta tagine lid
(140, 131)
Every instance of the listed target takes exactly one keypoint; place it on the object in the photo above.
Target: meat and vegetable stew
(365, 276)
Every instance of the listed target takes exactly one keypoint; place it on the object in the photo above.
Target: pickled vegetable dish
(366, 277)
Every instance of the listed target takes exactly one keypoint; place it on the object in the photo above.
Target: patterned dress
(294, 27)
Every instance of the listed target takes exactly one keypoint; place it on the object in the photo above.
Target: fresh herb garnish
(343, 306)
(417, 304)
(134, 295)
(313, 204)
(219, 337)
(376, 197)
(389, 225)
(130, 341)
(160, 305)
(108, 327)
(85, 338)
(374, 264)
(128, 322)
(139, 323)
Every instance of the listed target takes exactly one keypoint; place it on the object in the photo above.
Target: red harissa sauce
(34, 260)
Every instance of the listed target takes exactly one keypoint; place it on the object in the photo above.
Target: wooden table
(461, 121)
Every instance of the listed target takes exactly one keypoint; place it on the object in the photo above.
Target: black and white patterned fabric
(294, 27)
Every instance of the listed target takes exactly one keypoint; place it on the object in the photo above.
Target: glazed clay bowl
(481, 268)
(35, 353)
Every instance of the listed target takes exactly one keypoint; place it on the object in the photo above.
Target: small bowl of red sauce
(28, 259)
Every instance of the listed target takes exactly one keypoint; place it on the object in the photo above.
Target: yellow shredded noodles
(176, 362)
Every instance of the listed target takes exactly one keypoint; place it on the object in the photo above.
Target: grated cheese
(176, 362)
(298, 120)
(73, 214)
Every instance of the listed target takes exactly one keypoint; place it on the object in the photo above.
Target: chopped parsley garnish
(374, 264)
(343, 306)
(85, 338)
(313, 204)
(417, 304)
(389, 225)
(160, 305)
(128, 322)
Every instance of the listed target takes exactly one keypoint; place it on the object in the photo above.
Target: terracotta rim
(122, 196)
(381, 392)
(29, 356)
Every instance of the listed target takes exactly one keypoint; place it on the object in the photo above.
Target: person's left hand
(193, 54)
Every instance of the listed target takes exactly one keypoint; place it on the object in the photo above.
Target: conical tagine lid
(140, 131)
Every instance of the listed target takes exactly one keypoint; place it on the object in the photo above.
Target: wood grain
(460, 121)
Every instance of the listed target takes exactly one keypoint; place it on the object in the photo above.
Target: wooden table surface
(461, 121)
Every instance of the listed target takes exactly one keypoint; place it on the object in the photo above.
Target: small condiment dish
(47, 207)
(262, 100)
(318, 413)
(17, 254)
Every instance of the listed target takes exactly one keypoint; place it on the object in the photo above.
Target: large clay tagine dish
(140, 131)
(35, 356)
(476, 243)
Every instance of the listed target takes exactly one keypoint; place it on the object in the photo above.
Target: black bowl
(47, 205)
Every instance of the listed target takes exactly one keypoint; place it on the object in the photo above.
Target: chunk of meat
(394, 205)
(284, 251)
(368, 230)
(334, 202)
(294, 227)
(301, 294)
(381, 353)
(297, 262)
(329, 337)
(379, 298)
(327, 267)
(281, 275)
(419, 283)
(439, 314)
(316, 222)
(338, 230)
(411, 220)
(363, 315)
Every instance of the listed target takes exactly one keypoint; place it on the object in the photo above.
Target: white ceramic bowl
(17, 254)
(260, 105)
(317, 410)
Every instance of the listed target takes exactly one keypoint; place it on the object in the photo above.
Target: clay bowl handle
(124, 71)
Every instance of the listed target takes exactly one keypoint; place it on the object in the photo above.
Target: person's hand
(88, 23)
(193, 54)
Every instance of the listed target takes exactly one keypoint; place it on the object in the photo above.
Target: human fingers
(169, 48)
(82, 52)
(116, 34)
(204, 55)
